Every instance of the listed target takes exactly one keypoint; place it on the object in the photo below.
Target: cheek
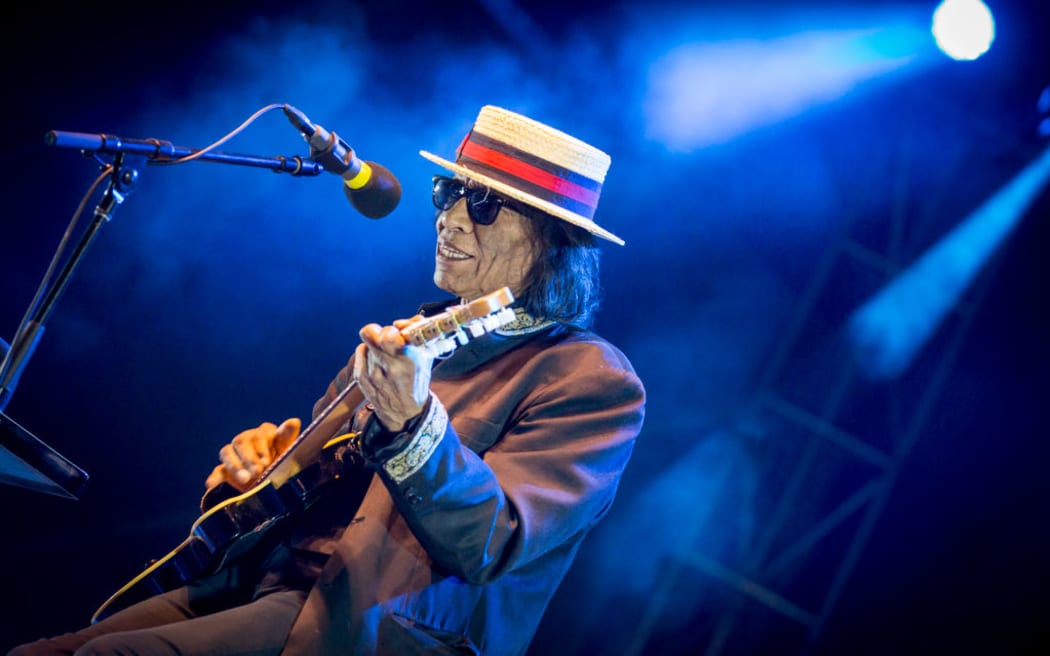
(507, 252)
(512, 267)
(519, 264)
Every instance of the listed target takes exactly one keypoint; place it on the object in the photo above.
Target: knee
(109, 644)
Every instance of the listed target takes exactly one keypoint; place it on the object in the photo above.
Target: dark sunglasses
(483, 205)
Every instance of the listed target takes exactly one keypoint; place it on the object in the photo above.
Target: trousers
(228, 614)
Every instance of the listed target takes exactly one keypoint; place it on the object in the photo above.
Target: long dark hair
(563, 283)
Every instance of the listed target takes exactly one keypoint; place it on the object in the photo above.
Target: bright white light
(964, 29)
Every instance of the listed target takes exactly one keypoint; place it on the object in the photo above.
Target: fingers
(250, 452)
(253, 447)
(387, 339)
(391, 341)
(401, 324)
(384, 347)
(236, 472)
(369, 333)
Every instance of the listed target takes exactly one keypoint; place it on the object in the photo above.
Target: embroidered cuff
(414, 455)
(377, 443)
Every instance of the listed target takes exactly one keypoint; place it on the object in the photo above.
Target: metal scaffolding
(831, 467)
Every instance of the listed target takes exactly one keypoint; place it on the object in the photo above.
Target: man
(472, 479)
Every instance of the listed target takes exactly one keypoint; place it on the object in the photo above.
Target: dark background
(807, 163)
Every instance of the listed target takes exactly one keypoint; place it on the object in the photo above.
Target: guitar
(230, 528)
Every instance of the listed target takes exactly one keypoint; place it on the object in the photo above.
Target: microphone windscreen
(379, 196)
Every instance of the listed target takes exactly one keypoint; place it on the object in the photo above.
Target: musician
(464, 484)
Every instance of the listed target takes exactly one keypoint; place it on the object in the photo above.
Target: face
(473, 260)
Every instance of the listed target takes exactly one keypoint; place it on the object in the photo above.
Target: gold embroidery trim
(422, 446)
(523, 324)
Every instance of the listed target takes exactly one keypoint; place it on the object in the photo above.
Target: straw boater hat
(534, 164)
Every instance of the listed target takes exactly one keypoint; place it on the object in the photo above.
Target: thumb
(286, 434)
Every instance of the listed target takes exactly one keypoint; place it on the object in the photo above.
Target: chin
(443, 284)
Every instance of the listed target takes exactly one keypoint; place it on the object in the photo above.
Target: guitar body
(234, 526)
(220, 537)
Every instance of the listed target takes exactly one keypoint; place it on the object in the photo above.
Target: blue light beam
(721, 86)
(889, 329)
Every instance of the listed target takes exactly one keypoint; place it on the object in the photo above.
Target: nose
(456, 218)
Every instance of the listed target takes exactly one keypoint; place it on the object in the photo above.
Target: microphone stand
(25, 460)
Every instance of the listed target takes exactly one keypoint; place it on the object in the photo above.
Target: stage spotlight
(963, 29)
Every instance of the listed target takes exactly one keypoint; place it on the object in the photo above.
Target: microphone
(370, 187)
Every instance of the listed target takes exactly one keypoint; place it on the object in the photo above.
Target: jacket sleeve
(551, 475)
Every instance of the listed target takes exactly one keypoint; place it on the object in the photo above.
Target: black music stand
(27, 462)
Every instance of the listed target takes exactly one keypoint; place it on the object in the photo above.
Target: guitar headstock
(445, 332)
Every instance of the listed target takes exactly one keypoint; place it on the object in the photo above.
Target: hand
(394, 376)
(251, 452)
